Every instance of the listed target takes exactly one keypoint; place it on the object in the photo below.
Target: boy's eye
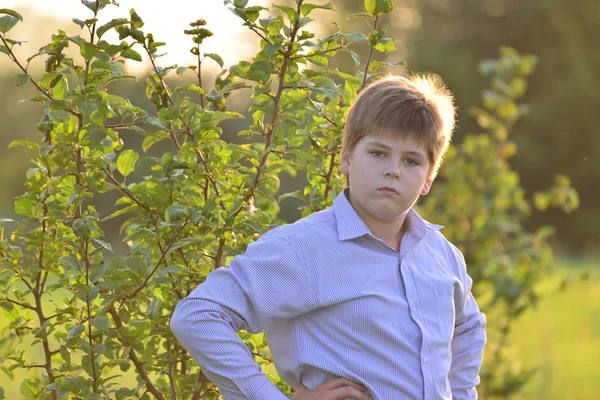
(410, 161)
(377, 154)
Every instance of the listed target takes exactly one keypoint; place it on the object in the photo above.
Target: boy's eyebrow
(386, 147)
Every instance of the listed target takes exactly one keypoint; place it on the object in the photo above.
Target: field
(561, 337)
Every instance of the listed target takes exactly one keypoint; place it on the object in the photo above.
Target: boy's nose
(392, 173)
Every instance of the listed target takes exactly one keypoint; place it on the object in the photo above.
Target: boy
(364, 300)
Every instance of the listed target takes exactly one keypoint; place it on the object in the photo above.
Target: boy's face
(386, 175)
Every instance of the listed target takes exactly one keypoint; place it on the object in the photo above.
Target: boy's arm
(267, 283)
(468, 341)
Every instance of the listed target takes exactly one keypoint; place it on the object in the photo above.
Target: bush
(95, 314)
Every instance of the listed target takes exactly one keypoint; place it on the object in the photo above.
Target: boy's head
(420, 108)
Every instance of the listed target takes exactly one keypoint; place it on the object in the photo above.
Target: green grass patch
(561, 336)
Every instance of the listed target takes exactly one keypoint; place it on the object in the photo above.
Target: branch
(124, 189)
(124, 126)
(332, 165)
(18, 303)
(369, 58)
(133, 357)
(12, 56)
(162, 257)
(170, 372)
(89, 319)
(155, 68)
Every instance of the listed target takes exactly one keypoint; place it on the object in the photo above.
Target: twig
(133, 357)
(162, 257)
(369, 58)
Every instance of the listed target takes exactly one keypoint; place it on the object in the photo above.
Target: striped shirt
(335, 301)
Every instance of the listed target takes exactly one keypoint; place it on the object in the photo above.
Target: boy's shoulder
(314, 227)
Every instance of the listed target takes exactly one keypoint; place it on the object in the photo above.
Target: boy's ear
(345, 162)
(426, 187)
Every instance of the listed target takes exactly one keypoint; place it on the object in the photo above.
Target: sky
(166, 20)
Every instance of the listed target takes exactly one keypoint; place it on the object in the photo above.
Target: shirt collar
(350, 225)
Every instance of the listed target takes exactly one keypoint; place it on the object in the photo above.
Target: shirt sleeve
(267, 283)
(468, 341)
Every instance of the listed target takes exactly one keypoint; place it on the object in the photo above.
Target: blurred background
(447, 37)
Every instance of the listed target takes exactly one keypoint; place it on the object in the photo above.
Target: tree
(199, 204)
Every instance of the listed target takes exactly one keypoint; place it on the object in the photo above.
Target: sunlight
(165, 20)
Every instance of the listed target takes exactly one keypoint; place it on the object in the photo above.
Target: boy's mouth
(388, 190)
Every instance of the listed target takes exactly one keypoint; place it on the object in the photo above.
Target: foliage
(198, 205)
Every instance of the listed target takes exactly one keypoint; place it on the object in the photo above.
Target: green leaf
(89, 50)
(378, 7)
(240, 3)
(75, 331)
(107, 246)
(30, 388)
(7, 22)
(101, 323)
(386, 45)
(60, 90)
(114, 23)
(16, 143)
(290, 12)
(22, 79)
(177, 212)
(271, 49)
(360, 15)
(4, 50)
(131, 54)
(12, 13)
(215, 57)
(305, 9)
(325, 86)
(2, 397)
(126, 162)
(136, 21)
(79, 22)
(317, 58)
(355, 37)
(355, 57)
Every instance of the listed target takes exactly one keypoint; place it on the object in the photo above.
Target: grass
(561, 337)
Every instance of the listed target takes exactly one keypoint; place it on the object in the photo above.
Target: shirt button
(414, 308)
(425, 360)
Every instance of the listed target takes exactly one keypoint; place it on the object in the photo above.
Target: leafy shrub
(95, 314)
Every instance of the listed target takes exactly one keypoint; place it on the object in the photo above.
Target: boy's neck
(391, 234)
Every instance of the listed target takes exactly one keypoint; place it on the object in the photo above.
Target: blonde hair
(421, 108)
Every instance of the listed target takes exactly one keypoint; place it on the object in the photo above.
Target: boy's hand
(337, 389)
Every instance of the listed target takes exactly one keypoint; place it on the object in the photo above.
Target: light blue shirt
(335, 301)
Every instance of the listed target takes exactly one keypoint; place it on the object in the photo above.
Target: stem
(369, 58)
(170, 373)
(198, 392)
(18, 303)
(123, 189)
(133, 357)
(200, 76)
(160, 78)
(124, 126)
(162, 257)
(45, 344)
(332, 165)
(92, 34)
(89, 320)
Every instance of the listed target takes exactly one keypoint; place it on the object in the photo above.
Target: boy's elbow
(179, 322)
